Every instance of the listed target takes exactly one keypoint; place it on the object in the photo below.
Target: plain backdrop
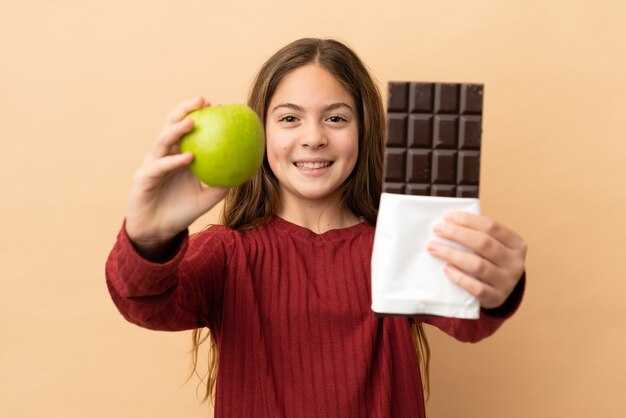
(84, 88)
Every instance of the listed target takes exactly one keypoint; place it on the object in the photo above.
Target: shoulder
(224, 236)
(368, 228)
(218, 232)
(214, 237)
(363, 230)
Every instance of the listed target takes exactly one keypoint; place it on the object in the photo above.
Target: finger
(478, 241)
(210, 196)
(482, 223)
(472, 264)
(487, 295)
(159, 168)
(167, 140)
(183, 109)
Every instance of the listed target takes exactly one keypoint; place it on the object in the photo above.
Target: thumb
(211, 196)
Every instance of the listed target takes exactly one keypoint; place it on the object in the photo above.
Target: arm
(474, 330)
(154, 273)
(183, 292)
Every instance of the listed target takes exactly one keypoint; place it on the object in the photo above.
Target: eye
(337, 119)
(288, 119)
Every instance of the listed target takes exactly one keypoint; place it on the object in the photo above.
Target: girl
(284, 285)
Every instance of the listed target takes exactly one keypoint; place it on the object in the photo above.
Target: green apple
(227, 143)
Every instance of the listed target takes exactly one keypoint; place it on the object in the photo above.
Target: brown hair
(257, 200)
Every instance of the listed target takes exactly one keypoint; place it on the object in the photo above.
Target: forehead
(311, 86)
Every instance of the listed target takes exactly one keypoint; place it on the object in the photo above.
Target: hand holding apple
(165, 197)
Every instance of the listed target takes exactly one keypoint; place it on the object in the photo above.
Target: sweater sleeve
(474, 330)
(184, 292)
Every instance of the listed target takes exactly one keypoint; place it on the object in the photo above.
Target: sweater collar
(300, 231)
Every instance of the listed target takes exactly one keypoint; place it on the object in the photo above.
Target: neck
(318, 216)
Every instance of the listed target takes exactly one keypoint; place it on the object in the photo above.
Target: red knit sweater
(291, 313)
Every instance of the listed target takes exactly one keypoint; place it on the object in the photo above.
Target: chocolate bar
(433, 139)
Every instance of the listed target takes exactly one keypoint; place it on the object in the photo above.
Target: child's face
(312, 134)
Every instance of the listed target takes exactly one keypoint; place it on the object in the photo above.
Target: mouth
(308, 165)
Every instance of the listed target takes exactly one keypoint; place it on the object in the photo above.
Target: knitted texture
(291, 313)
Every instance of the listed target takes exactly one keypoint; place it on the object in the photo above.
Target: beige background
(85, 85)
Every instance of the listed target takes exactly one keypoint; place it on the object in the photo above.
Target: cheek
(271, 155)
(352, 148)
(274, 149)
(277, 141)
(354, 156)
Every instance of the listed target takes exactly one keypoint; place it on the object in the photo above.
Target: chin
(319, 194)
(311, 191)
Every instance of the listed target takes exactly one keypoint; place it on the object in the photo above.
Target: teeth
(312, 165)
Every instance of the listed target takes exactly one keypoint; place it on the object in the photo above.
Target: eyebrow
(296, 107)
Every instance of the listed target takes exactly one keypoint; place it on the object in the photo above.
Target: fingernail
(450, 216)
(440, 228)
(448, 268)
(432, 248)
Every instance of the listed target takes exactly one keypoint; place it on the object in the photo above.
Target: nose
(314, 136)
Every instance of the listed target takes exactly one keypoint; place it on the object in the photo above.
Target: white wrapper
(406, 279)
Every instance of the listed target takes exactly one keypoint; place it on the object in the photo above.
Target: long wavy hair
(256, 201)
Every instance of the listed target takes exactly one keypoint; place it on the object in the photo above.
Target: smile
(313, 166)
